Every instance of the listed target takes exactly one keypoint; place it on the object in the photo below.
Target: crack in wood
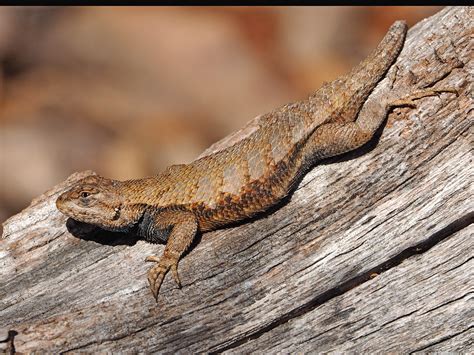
(442, 340)
(457, 266)
(386, 323)
(396, 260)
(448, 302)
(350, 250)
(319, 334)
(317, 261)
(395, 320)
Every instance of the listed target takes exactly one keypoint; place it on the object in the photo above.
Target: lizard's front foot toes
(155, 278)
(157, 273)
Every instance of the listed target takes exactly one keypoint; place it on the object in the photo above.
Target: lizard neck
(146, 191)
(148, 230)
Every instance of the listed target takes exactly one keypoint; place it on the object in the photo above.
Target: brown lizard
(246, 178)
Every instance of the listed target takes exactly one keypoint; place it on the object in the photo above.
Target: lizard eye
(85, 194)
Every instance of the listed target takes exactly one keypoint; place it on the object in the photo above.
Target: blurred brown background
(127, 91)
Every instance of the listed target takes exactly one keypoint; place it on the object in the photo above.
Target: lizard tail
(356, 86)
(376, 64)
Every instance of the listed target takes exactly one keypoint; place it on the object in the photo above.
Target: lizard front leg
(184, 227)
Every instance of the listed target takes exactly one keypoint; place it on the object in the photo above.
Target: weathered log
(373, 252)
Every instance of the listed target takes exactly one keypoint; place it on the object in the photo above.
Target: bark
(373, 251)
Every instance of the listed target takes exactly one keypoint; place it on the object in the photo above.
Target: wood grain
(373, 252)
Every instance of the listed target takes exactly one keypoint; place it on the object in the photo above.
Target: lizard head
(95, 200)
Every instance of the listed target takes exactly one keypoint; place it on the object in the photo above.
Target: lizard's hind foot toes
(409, 100)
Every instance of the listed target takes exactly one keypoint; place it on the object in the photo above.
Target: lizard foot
(410, 99)
(158, 272)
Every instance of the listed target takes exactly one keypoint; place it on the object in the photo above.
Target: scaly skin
(246, 178)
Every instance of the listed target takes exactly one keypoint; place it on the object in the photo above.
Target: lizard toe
(156, 276)
(410, 99)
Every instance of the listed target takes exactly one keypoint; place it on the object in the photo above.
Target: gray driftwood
(373, 252)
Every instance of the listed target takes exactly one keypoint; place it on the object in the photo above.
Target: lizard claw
(174, 270)
(158, 272)
(153, 258)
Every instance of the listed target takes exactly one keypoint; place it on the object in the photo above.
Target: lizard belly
(254, 197)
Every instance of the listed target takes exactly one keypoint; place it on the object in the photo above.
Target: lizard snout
(61, 201)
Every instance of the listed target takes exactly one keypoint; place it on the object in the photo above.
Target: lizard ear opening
(117, 213)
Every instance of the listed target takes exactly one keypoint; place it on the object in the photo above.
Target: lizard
(247, 177)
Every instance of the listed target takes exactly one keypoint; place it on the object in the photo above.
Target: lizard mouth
(69, 208)
(92, 213)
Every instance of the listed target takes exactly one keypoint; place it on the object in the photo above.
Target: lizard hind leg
(335, 138)
(183, 232)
